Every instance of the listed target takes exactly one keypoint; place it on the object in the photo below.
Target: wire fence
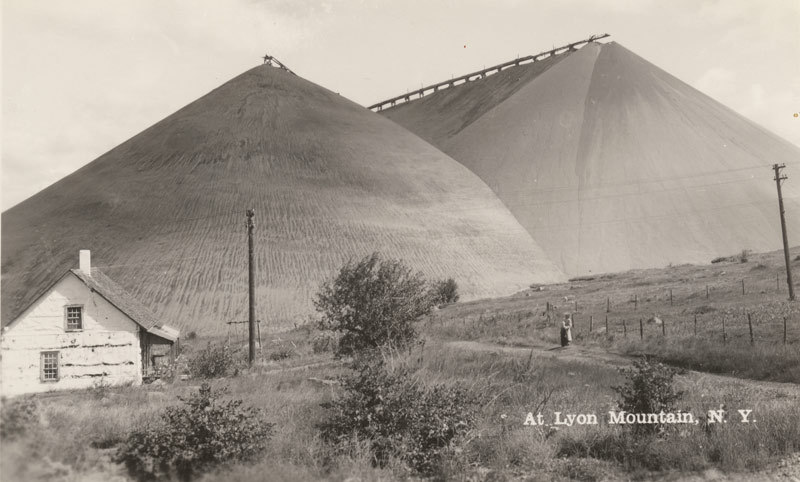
(745, 310)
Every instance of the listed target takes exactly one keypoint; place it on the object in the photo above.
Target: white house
(83, 330)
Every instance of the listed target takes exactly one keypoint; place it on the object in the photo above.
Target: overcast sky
(81, 76)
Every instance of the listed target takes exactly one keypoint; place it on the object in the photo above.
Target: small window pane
(74, 317)
(49, 366)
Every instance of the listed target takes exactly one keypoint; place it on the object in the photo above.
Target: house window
(49, 366)
(74, 318)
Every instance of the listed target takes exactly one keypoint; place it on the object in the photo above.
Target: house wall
(106, 351)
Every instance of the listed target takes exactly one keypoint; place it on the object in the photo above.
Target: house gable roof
(101, 284)
(117, 296)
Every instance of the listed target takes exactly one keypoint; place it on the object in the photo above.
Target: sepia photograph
(365, 240)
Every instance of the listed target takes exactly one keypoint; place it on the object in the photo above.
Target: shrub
(281, 353)
(18, 417)
(399, 418)
(214, 361)
(648, 389)
(445, 291)
(195, 437)
(744, 256)
(373, 303)
(323, 341)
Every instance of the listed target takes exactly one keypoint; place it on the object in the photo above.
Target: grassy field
(667, 327)
(504, 352)
(78, 431)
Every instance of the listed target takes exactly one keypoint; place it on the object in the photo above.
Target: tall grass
(78, 430)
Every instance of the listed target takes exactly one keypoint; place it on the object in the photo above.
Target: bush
(18, 417)
(648, 389)
(444, 291)
(195, 437)
(399, 418)
(744, 255)
(373, 303)
(323, 341)
(214, 361)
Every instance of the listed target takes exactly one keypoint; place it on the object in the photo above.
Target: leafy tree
(373, 303)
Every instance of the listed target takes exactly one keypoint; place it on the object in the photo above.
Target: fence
(745, 310)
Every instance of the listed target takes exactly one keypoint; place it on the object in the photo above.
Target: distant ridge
(329, 180)
(611, 163)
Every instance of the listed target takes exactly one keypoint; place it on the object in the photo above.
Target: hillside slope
(611, 163)
(329, 180)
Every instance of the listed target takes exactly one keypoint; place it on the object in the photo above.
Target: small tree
(373, 303)
(445, 291)
(649, 388)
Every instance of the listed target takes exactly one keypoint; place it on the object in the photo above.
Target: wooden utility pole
(251, 272)
(778, 178)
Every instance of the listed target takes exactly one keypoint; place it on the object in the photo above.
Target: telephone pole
(251, 352)
(778, 178)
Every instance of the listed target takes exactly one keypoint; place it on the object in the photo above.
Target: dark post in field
(251, 273)
(608, 305)
(606, 325)
(664, 327)
(784, 330)
(742, 286)
(778, 179)
(706, 291)
(750, 325)
(670, 296)
(695, 325)
(724, 337)
(591, 323)
(641, 329)
(624, 329)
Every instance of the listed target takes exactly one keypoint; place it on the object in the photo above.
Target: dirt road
(592, 355)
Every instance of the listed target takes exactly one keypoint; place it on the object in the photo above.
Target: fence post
(784, 330)
(670, 296)
(591, 323)
(608, 305)
(664, 327)
(724, 337)
(624, 329)
(750, 324)
(706, 291)
(641, 329)
(742, 286)
(576, 306)
(695, 325)
(606, 325)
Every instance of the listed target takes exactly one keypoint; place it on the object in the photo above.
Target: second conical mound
(164, 212)
(611, 163)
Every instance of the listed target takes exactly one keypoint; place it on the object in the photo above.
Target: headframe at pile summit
(480, 74)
